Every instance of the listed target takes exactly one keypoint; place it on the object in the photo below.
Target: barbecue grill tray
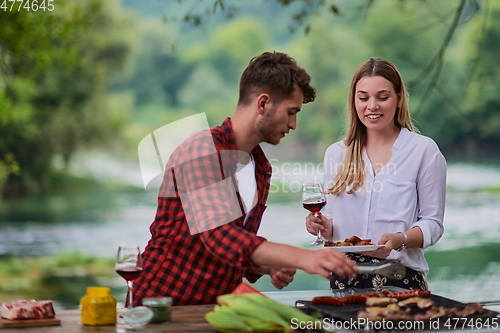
(349, 312)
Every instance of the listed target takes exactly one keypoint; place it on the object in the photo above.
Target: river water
(464, 264)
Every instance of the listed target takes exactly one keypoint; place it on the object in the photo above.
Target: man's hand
(281, 277)
(325, 261)
(321, 262)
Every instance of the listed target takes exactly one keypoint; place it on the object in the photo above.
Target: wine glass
(313, 199)
(129, 266)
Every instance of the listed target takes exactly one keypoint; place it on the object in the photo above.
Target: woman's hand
(318, 223)
(390, 242)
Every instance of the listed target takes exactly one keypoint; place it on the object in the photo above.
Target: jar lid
(152, 301)
(138, 316)
(98, 291)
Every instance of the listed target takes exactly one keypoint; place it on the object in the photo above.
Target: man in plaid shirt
(214, 193)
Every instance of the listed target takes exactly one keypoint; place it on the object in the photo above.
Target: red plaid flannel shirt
(198, 194)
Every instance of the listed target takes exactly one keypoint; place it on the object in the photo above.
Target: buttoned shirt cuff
(252, 277)
(246, 260)
(430, 234)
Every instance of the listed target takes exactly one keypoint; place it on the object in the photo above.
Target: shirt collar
(401, 139)
(227, 128)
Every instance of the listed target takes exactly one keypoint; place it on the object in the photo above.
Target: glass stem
(318, 214)
(130, 302)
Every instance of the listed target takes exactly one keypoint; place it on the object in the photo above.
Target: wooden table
(184, 319)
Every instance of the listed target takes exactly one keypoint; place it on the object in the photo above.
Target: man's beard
(267, 128)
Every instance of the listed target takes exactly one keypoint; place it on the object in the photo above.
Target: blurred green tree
(443, 49)
(54, 71)
(220, 61)
(481, 107)
(158, 72)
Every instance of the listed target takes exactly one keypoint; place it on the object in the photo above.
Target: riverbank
(55, 246)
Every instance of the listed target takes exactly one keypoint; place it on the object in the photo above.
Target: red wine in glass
(314, 199)
(130, 273)
(314, 206)
(129, 266)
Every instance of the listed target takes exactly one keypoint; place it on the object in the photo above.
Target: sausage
(330, 300)
(407, 294)
(341, 301)
(358, 298)
(354, 299)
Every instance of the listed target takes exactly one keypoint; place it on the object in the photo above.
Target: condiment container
(160, 307)
(137, 317)
(98, 307)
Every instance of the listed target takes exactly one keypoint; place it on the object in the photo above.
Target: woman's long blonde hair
(352, 170)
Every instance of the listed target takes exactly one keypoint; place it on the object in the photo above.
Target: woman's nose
(372, 104)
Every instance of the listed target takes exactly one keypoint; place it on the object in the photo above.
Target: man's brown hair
(278, 75)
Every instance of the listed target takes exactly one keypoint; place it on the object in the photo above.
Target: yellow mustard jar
(98, 307)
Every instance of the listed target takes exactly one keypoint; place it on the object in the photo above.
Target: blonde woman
(385, 181)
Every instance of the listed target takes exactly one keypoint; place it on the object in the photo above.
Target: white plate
(356, 248)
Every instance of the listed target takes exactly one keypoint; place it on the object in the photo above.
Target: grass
(19, 274)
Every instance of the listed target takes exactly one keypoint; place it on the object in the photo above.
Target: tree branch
(437, 61)
(440, 18)
(429, 26)
(475, 62)
(460, 113)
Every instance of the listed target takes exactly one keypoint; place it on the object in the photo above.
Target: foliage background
(105, 73)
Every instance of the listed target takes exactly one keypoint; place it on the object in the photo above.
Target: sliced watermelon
(244, 288)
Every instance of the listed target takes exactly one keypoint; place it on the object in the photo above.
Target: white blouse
(408, 191)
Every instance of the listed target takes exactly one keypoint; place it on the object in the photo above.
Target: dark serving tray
(349, 312)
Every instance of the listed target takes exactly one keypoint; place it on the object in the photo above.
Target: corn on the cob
(264, 326)
(227, 322)
(246, 307)
(253, 313)
(285, 311)
(256, 325)
(222, 308)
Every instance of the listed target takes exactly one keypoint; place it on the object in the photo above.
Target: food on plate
(379, 301)
(406, 294)
(22, 309)
(421, 303)
(351, 241)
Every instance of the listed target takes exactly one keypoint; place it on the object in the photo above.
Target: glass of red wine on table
(129, 266)
(314, 199)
